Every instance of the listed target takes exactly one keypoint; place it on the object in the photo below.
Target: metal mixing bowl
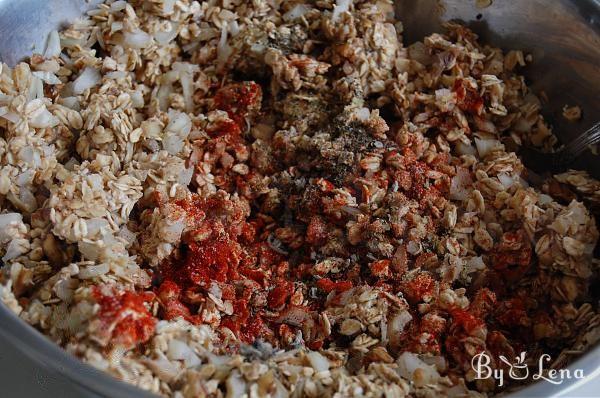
(562, 35)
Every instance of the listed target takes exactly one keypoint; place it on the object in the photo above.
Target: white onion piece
(9, 218)
(545, 199)
(460, 184)
(70, 102)
(137, 39)
(4, 98)
(163, 95)
(506, 180)
(178, 350)
(118, 5)
(116, 26)
(298, 11)
(137, 99)
(31, 157)
(224, 51)
(87, 79)
(11, 117)
(318, 361)
(53, 45)
(485, 146)
(47, 77)
(92, 271)
(341, 6)
(168, 6)
(90, 251)
(234, 28)
(172, 143)
(235, 385)
(398, 323)
(95, 225)
(179, 123)
(475, 264)
(164, 369)
(362, 114)
(36, 89)
(63, 289)
(165, 37)
(185, 177)
(38, 116)
(464, 149)
(14, 250)
(186, 78)
(408, 363)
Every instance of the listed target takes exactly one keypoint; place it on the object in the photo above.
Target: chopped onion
(137, 99)
(126, 234)
(47, 77)
(464, 149)
(137, 39)
(64, 290)
(486, 145)
(162, 367)
(14, 250)
(398, 323)
(92, 271)
(186, 78)
(224, 51)
(70, 102)
(475, 264)
(87, 79)
(116, 26)
(318, 361)
(362, 114)
(185, 177)
(460, 184)
(178, 350)
(172, 143)
(36, 89)
(408, 363)
(5, 99)
(341, 6)
(438, 361)
(168, 6)
(118, 5)
(418, 52)
(38, 116)
(7, 219)
(3, 110)
(30, 156)
(545, 199)
(96, 225)
(235, 385)
(298, 11)
(179, 123)
(165, 37)
(234, 28)
(506, 180)
(52, 46)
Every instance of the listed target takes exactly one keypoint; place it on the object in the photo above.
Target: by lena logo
(519, 370)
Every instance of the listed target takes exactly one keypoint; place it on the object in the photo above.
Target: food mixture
(279, 198)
